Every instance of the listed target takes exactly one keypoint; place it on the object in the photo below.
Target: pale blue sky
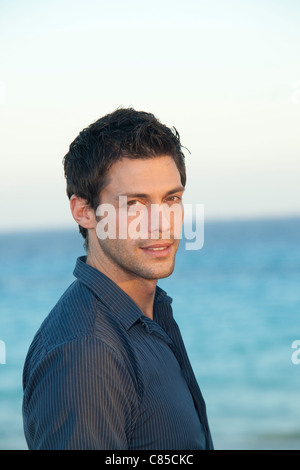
(226, 74)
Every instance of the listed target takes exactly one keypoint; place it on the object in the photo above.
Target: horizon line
(207, 220)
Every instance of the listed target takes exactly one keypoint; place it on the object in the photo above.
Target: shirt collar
(124, 308)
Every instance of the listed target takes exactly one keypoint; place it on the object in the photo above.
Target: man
(108, 368)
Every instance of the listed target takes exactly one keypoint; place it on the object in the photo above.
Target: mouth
(158, 249)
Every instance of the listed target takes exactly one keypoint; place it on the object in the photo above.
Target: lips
(158, 249)
(157, 246)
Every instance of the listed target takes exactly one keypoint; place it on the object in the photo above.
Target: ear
(82, 212)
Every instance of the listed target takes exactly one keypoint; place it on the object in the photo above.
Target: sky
(225, 73)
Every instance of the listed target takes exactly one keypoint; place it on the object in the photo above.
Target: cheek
(133, 224)
(119, 251)
(177, 216)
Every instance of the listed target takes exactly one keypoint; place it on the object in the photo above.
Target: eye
(133, 202)
(173, 199)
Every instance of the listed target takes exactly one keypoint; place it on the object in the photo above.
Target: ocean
(237, 302)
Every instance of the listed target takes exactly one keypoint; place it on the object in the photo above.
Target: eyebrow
(178, 189)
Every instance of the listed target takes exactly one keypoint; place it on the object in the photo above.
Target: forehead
(142, 175)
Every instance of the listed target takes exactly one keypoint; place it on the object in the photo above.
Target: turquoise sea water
(237, 301)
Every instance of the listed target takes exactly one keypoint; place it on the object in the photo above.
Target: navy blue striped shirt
(101, 375)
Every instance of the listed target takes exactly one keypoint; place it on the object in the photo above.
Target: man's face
(146, 195)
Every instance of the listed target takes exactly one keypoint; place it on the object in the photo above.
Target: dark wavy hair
(125, 133)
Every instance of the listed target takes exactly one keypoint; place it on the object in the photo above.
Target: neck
(142, 292)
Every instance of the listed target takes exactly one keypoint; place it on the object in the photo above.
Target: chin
(161, 273)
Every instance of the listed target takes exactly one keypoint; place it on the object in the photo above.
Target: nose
(160, 221)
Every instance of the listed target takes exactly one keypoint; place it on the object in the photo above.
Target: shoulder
(73, 317)
(79, 331)
(80, 365)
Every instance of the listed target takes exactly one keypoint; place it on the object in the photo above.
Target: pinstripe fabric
(101, 375)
